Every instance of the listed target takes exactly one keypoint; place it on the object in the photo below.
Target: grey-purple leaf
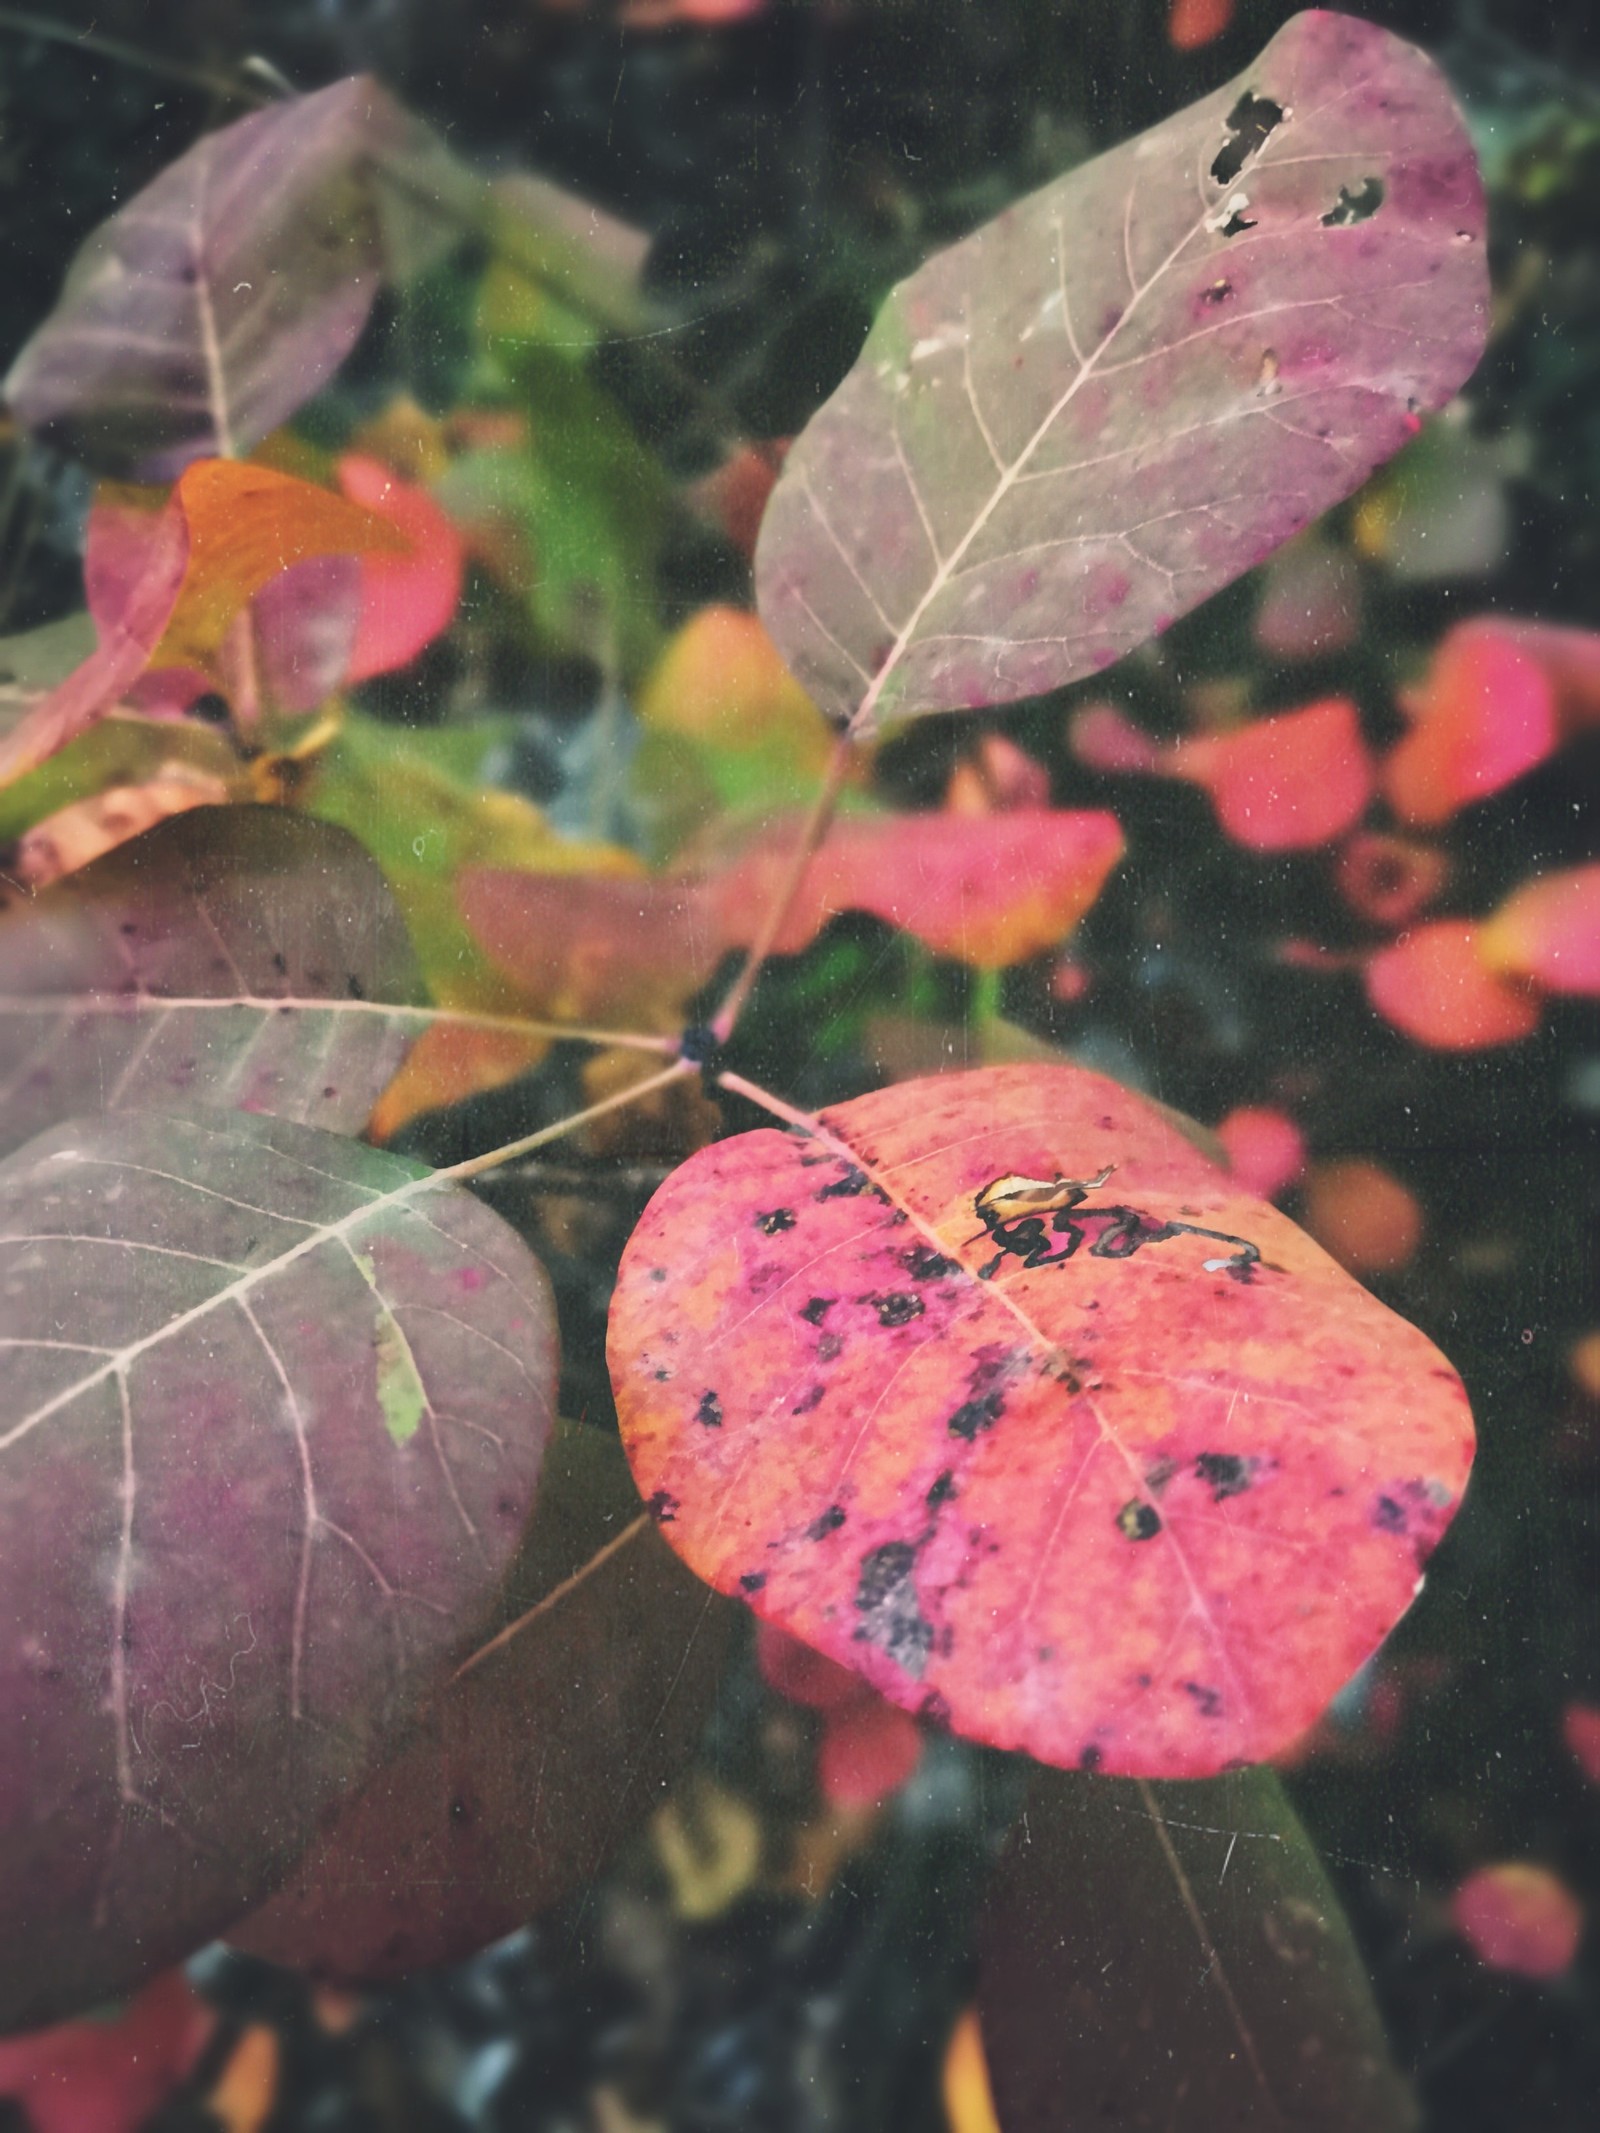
(271, 1418)
(235, 956)
(1084, 419)
(202, 314)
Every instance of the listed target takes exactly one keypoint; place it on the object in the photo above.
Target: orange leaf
(450, 1061)
(968, 2098)
(1134, 1481)
(579, 946)
(1284, 783)
(1362, 1215)
(246, 525)
(73, 836)
(1548, 931)
(1484, 715)
(246, 2090)
(722, 682)
(1193, 23)
(1519, 1917)
(987, 890)
(1436, 985)
(407, 599)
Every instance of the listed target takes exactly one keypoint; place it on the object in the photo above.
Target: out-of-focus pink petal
(1484, 716)
(1285, 783)
(1266, 1149)
(1435, 985)
(1519, 1917)
(1549, 931)
(868, 1750)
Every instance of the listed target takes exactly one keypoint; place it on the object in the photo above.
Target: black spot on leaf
(774, 1222)
(849, 1187)
(663, 1507)
(817, 1309)
(1208, 1702)
(829, 1522)
(1358, 206)
(1237, 223)
(828, 1347)
(752, 1581)
(1389, 1516)
(1091, 1758)
(709, 1412)
(924, 1264)
(1251, 124)
(974, 1415)
(1138, 1521)
(810, 1398)
(886, 1600)
(1224, 1472)
(942, 1491)
(896, 1309)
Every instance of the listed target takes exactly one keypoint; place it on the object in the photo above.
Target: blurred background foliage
(765, 1957)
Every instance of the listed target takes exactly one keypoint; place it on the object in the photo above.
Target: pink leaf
(107, 2076)
(1284, 783)
(1266, 1149)
(406, 600)
(1435, 985)
(1548, 931)
(1484, 716)
(1519, 1917)
(868, 1751)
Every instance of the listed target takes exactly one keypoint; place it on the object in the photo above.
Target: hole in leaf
(1358, 206)
(1237, 222)
(1251, 123)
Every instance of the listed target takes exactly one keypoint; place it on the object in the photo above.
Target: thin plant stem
(553, 1598)
(476, 1165)
(812, 833)
(28, 24)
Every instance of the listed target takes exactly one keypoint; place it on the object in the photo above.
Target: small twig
(27, 24)
(624, 1180)
(812, 833)
(552, 1598)
(496, 1158)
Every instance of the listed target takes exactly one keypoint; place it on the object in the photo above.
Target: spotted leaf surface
(1105, 404)
(240, 955)
(272, 1411)
(1133, 1483)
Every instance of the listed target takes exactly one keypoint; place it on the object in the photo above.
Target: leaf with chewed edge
(238, 955)
(1104, 405)
(226, 1581)
(1143, 1504)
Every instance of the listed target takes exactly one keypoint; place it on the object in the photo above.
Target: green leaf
(1173, 1956)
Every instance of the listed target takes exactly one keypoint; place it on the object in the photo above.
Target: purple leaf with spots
(202, 314)
(1128, 388)
(241, 956)
(994, 1389)
(271, 1418)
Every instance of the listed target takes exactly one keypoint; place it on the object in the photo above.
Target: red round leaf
(406, 600)
(1143, 1505)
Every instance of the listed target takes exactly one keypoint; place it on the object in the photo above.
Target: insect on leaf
(1128, 388)
(226, 1580)
(242, 956)
(1124, 1472)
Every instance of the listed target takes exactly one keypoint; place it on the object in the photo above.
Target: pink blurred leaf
(1483, 716)
(1580, 1730)
(106, 2074)
(1519, 1917)
(1266, 1149)
(406, 600)
(1436, 986)
(867, 1751)
(1548, 931)
(1285, 783)
(1105, 404)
